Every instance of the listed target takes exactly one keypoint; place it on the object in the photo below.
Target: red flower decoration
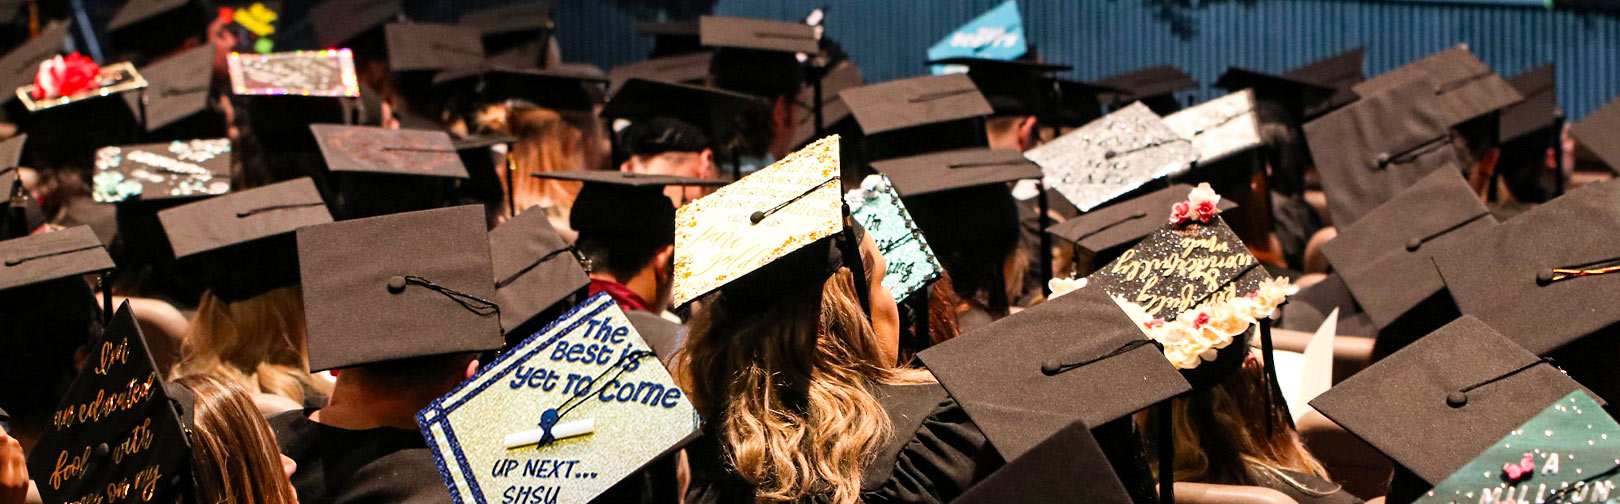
(1523, 469)
(1206, 211)
(1180, 213)
(65, 76)
(1200, 320)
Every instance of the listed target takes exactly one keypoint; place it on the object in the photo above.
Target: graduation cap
(564, 88)
(178, 88)
(1467, 86)
(1535, 277)
(709, 110)
(1539, 110)
(244, 240)
(22, 63)
(833, 109)
(1108, 231)
(955, 169)
(116, 428)
(1013, 87)
(486, 435)
(911, 263)
(22, 214)
(758, 220)
(1219, 128)
(757, 34)
(391, 151)
(1307, 310)
(327, 72)
(685, 69)
(1154, 86)
(624, 203)
(1067, 467)
(1296, 95)
(1440, 401)
(431, 46)
(146, 29)
(521, 17)
(672, 37)
(49, 256)
(1342, 71)
(1027, 377)
(338, 23)
(1596, 132)
(110, 80)
(178, 169)
(1075, 103)
(919, 115)
(1369, 150)
(535, 270)
(1385, 258)
(1109, 157)
(1563, 454)
(395, 287)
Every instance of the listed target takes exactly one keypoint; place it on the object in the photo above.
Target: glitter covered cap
(1111, 156)
(178, 169)
(1570, 452)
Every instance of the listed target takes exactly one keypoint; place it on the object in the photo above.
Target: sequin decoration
(1570, 447)
(1220, 127)
(589, 356)
(178, 169)
(1111, 156)
(1174, 270)
(911, 263)
(300, 73)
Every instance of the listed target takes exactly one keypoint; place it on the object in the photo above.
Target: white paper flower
(1061, 286)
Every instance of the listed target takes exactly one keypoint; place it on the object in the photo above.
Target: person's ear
(472, 369)
(707, 171)
(663, 262)
(627, 165)
(1026, 133)
(782, 114)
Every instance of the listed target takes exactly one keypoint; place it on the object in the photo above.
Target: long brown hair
(546, 142)
(1220, 434)
(789, 389)
(233, 452)
(256, 343)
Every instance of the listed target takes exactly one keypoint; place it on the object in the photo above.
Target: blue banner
(997, 34)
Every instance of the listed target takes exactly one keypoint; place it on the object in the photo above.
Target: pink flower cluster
(65, 76)
(1202, 205)
(1197, 335)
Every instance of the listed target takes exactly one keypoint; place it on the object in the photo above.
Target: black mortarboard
(143, 30)
(338, 22)
(1110, 230)
(49, 256)
(1467, 86)
(558, 88)
(757, 34)
(400, 286)
(1030, 375)
(708, 109)
(534, 269)
(244, 240)
(628, 203)
(1440, 401)
(919, 115)
(1385, 258)
(431, 46)
(1153, 86)
(117, 427)
(1341, 71)
(1369, 150)
(1539, 110)
(685, 69)
(1540, 278)
(167, 170)
(21, 64)
(136, 11)
(1075, 103)
(671, 37)
(1294, 94)
(1013, 87)
(1307, 310)
(518, 17)
(833, 109)
(955, 169)
(1597, 132)
(22, 214)
(1067, 467)
(390, 151)
(178, 88)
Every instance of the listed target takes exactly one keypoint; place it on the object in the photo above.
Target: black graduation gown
(338, 466)
(936, 454)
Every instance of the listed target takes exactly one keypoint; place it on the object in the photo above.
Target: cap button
(1544, 277)
(396, 284)
(1383, 158)
(1457, 399)
(756, 217)
(1110, 155)
(102, 450)
(1050, 368)
(1413, 244)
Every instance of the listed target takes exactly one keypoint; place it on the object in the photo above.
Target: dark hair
(42, 327)
(418, 374)
(658, 135)
(621, 255)
(768, 74)
(973, 231)
(150, 38)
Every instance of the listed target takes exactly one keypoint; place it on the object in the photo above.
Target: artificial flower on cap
(66, 79)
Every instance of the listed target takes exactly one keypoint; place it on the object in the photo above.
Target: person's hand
(13, 471)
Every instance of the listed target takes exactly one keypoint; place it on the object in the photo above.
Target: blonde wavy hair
(1220, 434)
(789, 389)
(233, 451)
(256, 343)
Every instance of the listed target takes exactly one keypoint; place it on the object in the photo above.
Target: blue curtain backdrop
(889, 38)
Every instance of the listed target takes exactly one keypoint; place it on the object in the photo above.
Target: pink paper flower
(1202, 204)
(65, 76)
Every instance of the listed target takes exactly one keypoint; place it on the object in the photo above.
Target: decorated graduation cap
(1563, 454)
(997, 34)
(1541, 277)
(244, 240)
(919, 115)
(117, 434)
(834, 110)
(1386, 257)
(328, 73)
(671, 38)
(1369, 150)
(1067, 467)
(1342, 71)
(534, 272)
(1467, 87)
(177, 97)
(1154, 86)
(20, 65)
(50, 256)
(911, 263)
(1219, 128)
(1108, 231)
(343, 23)
(501, 431)
(105, 81)
(1466, 377)
(765, 232)
(668, 116)
(401, 286)
(168, 170)
(1075, 103)
(431, 46)
(1112, 156)
(563, 88)
(1013, 87)
(685, 69)
(1074, 357)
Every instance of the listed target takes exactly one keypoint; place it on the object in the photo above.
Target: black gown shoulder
(341, 466)
(934, 456)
